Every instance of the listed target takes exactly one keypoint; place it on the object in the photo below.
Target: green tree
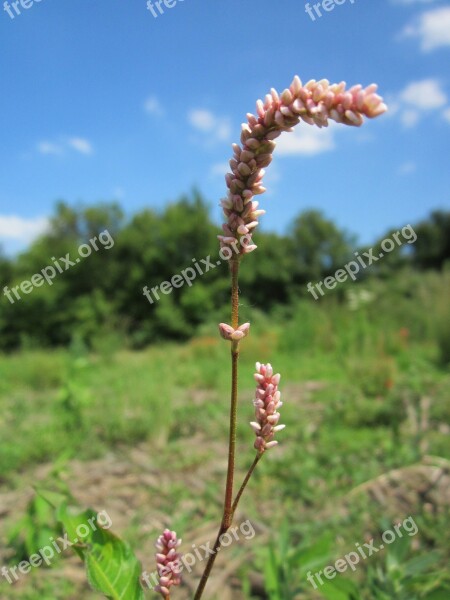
(319, 247)
(432, 247)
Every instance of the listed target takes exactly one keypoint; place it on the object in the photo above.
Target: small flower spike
(314, 103)
(233, 335)
(267, 402)
(167, 562)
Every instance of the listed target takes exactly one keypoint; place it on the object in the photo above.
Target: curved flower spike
(314, 103)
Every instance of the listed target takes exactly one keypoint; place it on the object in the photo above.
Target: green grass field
(143, 435)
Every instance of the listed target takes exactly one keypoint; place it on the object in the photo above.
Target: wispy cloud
(417, 99)
(409, 117)
(153, 106)
(431, 28)
(307, 140)
(410, 2)
(407, 168)
(424, 95)
(24, 230)
(80, 145)
(220, 169)
(118, 193)
(210, 125)
(49, 148)
(58, 148)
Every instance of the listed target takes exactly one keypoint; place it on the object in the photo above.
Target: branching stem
(244, 483)
(229, 506)
(228, 502)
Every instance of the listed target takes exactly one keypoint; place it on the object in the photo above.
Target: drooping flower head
(313, 103)
(267, 402)
(167, 562)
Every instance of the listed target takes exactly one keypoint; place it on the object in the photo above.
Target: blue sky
(100, 100)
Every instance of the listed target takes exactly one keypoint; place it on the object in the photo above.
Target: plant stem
(244, 483)
(223, 529)
(234, 269)
(209, 565)
(227, 509)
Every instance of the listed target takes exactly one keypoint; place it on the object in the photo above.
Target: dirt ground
(123, 484)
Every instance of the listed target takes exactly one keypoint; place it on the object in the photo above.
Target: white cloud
(118, 193)
(80, 145)
(45, 147)
(415, 100)
(409, 2)
(406, 168)
(424, 95)
(306, 140)
(216, 128)
(446, 114)
(20, 229)
(202, 119)
(432, 29)
(409, 117)
(153, 106)
(220, 169)
(393, 104)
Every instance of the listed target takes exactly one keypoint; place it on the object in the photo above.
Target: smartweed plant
(111, 565)
(314, 103)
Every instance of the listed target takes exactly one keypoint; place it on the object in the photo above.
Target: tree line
(102, 292)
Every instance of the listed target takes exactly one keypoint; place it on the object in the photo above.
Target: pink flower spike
(168, 562)
(314, 103)
(267, 402)
(271, 444)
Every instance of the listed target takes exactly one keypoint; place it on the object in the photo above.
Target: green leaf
(112, 568)
(71, 519)
(52, 497)
(439, 594)
(340, 589)
(272, 574)
(311, 557)
(419, 564)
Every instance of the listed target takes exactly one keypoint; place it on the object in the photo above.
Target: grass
(365, 390)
